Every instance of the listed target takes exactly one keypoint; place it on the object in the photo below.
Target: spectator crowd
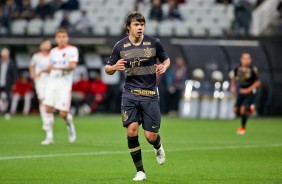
(11, 10)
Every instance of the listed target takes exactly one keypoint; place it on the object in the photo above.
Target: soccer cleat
(241, 131)
(140, 176)
(47, 142)
(72, 133)
(160, 155)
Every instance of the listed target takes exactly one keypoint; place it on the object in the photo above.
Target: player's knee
(151, 136)
(63, 114)
(132, 129)
(242, 110)
(49, 109)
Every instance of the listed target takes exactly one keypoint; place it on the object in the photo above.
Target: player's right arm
(32, 71)
(233, 85)
(233, 81)
(115, 63)
(32, 68)
(119, 66)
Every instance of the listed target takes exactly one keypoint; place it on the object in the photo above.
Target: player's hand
(33, 76)
(244, 91)
(49, 68)
(233, 89)
(120, 65)
(160, 69)
(37, 75)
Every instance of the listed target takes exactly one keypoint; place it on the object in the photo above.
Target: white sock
(42, 110)
(69, 119)
(48, 121)
(49, 134)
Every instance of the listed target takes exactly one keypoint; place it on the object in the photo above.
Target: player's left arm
(162, 56)
(161, 68)
(72, 65)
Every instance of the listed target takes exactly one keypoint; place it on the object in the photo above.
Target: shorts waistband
(143, 92)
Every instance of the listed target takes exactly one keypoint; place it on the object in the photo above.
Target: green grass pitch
(197, 152)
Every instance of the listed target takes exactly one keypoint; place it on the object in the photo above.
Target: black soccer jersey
(246, 77)
(140, 83)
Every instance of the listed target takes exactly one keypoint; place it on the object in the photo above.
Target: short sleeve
(161, 54)
(73, 55)
(33, 60)
(114, 57)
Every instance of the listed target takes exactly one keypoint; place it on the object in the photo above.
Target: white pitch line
(125, 152)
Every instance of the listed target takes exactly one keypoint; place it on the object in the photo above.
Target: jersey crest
(148, 52)
(124, 116)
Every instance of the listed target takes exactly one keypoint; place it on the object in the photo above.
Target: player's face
(5, 55)
(62, 39)
(246, 60)
(136, 28)
(45, 46)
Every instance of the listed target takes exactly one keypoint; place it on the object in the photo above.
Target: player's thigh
(239, 100)
(248, 101)
(129, 111)
(63, 99)
(151, 115)
(40, 91)
(49, 97)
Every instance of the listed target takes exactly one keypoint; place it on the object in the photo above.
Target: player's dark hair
(245, 52)
(44, 40)
(133, 16)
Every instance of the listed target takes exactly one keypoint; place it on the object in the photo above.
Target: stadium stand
(195, 13)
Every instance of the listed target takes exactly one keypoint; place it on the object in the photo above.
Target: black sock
(135, 152)
(157, 142)
(244, 119)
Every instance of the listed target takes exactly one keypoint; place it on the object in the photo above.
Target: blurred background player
(80, 90)
(64, 60)
(96, 94)
(8, 77)
(137, 55)
(248, 82)
(175, 81)
(39, 63)
(22, 90)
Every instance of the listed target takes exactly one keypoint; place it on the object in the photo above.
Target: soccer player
(63, 59)
(39, 63)
(137, 55)
(248, 81)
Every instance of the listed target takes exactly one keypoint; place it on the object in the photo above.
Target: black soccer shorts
(146, 113)
(245, 100)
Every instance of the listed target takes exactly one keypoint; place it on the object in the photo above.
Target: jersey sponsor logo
(124, 116)
(136, 62)
(126, 45)
(146, 43)
(148, 52)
